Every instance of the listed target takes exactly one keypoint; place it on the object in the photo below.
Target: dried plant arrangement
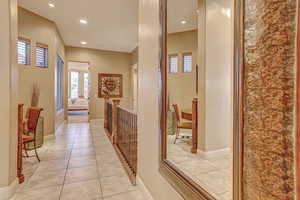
(35, 95)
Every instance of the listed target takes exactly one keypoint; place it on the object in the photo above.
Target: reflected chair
(179, 124)
(30, 126)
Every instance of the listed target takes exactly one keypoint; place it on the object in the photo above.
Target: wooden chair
(30, 125)
(179, 124)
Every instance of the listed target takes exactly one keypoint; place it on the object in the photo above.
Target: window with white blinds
(41, 55)
(173, 64)
(187, 63)
(23, 48)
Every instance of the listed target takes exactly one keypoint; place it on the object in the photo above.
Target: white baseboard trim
(211, 154)
(143, 188)
(8, 191)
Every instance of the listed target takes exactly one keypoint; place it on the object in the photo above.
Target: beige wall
(39, 29)
(182, 86)
(9, 90)
(133, 79)
(148, 105)
(103, 62)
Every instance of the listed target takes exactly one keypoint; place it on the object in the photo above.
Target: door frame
(67, 87)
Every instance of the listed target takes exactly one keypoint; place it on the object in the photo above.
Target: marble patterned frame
(269, 100)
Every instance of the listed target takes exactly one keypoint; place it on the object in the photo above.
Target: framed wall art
(110, 85)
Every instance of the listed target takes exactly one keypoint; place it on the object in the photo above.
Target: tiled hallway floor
(78, 164)
(214, 174)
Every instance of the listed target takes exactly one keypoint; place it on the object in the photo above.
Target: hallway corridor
(78, 164)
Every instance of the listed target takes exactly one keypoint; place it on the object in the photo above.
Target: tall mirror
(199, 94)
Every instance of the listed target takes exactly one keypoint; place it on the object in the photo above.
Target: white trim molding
(143, 188)
(211, 154)
(8, 191)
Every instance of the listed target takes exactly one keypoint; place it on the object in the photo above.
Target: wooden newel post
(20, 144)
(195, 125)
(105, 112)
(116, 103)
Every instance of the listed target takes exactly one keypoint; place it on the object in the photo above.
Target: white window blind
(41, 55)
(59, 84)
(173, 64)
(23, 48)
(187, 63)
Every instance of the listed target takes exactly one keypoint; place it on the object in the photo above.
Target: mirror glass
(200, 92)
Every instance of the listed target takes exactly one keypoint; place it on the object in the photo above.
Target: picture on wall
(110, 85)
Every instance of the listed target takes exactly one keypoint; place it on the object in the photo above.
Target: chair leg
(176, 134)
(24, 147)
(26, 153)
(36, 154)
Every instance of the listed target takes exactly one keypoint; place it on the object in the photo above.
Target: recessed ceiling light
(83, 21)
(83, 42)
(183, 22)
(51, 5)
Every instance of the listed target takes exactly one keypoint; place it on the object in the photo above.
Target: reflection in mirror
(200, 92)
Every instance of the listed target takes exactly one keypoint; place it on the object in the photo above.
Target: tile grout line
(67, 167)
(97, 164)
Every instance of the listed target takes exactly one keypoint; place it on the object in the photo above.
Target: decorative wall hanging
(110, 85)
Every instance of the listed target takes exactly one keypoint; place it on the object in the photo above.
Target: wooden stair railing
(126, 141)
(108, 117)
(123, 135)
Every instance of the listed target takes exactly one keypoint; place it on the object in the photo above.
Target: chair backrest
(33, 117)
(176, 109)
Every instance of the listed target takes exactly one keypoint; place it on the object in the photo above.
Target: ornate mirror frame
(187, 188)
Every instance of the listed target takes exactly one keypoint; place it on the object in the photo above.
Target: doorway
(78, 95)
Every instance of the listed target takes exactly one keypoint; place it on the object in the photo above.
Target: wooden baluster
(194, 126)
(114, 137)
(20, 144)
(106, 112)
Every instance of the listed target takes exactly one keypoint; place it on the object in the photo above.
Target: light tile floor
(78, 164)
(213, 174)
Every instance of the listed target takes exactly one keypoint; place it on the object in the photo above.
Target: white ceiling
(112, 24)
(179, 10)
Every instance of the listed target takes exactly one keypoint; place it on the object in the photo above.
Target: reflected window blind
(173, 64)
(41, 55)
(23, 48)
(187, 63)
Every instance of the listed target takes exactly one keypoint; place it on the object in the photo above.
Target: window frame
(183, 66)
(60, 71)
(170, 56)
(27, 41)
(70, 84)
(45, 46)
(88, 84)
